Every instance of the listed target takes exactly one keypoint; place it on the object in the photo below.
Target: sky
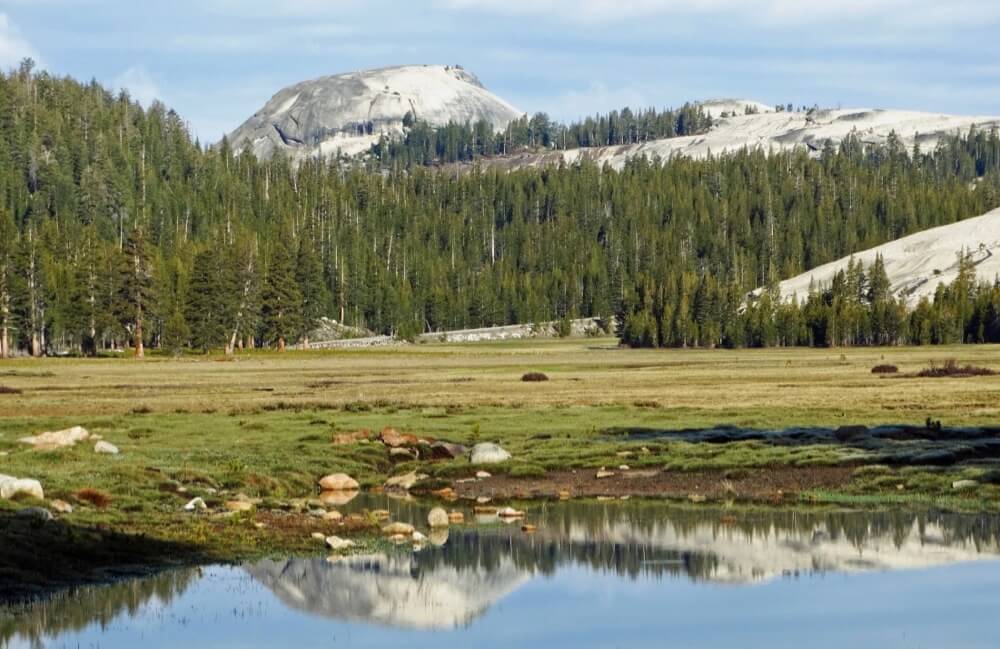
(218, 61)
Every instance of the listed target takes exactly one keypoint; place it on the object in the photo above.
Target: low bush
(534, 377)
(885, 369)
(6, 389)
(95, 497)
(951, 368)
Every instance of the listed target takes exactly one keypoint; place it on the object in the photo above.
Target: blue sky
(217, 61)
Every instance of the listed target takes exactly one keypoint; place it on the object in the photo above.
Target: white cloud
(140, 85)
(13, 46)
(775, 12)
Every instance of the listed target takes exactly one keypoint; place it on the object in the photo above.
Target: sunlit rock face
(347, 113)
(389, 589)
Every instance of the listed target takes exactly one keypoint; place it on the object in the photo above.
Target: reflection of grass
(262, 424)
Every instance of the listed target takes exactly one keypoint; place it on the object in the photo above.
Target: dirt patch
(771, 483)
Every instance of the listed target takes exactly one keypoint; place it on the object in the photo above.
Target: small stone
(404, 482)
(456, 518)
(510, 512)
(62, 507)
(624, 467)
(318, 536)
(333, 515)
(447, 451)
(489, 453)
(57, 439)
(381, 514)
(317, 513)
(195, 503)
(964, 484)
(338, 544)
(344, 439)
(565, 495)
(239, 506)
(105, 448)
(482, 500)
(437, 517)
(402, 454)
(447, 493)
(604, 473)
(400, 539)
(482, 475)
(393, 529)
(338, 482)
(393, 438)
(624, 453)
(644, 450)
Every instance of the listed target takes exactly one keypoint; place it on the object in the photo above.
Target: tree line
(424, 144)
(118, 229)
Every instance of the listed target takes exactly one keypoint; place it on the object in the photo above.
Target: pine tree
(312, 287)
(281, 299)
(136, 288)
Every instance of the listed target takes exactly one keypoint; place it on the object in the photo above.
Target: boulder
(404, 482)
(338, 482)
(437, 517)
(11, 487)
(195, 503)
(105, 448)
(456, 518)
(62, 507)
(338, 544)
(851, 433)
(394, 439)
(489, 453)
(392, 529)
(36, 513)
(57, 439)
(447, 451)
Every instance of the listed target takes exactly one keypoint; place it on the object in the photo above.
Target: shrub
(6, 389)
(951, 368)
(534, 377)
(95, 497)
(885, 369)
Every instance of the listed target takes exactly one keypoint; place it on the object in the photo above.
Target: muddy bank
(765, 484)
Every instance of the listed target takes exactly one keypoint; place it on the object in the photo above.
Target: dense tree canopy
(116, 226)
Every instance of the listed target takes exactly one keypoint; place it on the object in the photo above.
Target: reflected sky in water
(596, 576)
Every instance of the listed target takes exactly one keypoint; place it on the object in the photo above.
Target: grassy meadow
(261, 424)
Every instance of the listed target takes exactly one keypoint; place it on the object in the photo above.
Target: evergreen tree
(281, 299)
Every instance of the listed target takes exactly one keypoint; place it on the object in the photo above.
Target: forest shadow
(39, 557)
(896, 444)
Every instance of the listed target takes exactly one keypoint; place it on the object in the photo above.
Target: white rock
(338, 544)
(405, 481)
(338, 482)
(62, 507)
(489, 453)
(58, 438)
(437, 517)
(195, 503)
(11, 487)
(105, 448)
(482, 475)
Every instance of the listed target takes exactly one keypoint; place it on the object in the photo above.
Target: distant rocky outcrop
(347, 113)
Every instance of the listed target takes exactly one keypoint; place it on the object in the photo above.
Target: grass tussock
(95, 497)
(951, 368)
(885, 369)
(534, 377)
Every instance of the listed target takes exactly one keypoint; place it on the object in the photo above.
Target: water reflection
(455, 584)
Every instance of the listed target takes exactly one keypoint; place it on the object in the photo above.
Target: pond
(613, 574)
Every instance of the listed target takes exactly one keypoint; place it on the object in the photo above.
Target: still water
(594, 575)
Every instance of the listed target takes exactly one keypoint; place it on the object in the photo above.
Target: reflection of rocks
(389, 589)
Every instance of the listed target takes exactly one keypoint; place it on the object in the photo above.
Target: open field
(261, 426)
